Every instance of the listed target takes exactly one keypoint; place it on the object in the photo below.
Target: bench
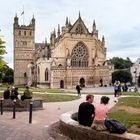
(7, 104)
(70, 127)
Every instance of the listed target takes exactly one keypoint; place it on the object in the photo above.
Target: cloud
(118, 20)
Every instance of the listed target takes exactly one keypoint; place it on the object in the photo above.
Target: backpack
(114, 126)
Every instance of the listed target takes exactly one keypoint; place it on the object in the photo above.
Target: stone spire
(79, 15)
(94, 27)
(94, 30)
(54, 32)
(58, 31)
(33, 20)
(103, 41)
(45, 40)
(15, 20)
(67, 22)
(52, 39)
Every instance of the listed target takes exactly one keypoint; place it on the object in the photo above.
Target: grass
(130, 101)
(129, 119)
(131, 93)
(55, 97)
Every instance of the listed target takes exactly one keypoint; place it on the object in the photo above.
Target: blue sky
(117, 20)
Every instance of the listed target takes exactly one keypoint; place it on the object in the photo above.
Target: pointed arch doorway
(61, 84)
(82, 82)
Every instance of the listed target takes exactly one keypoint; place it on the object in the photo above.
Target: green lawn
(130, 101)
(55, 97)
(129, 118)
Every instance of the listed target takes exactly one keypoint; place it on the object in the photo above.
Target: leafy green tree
(122, 76)
(120, 63)
(2, 52)
(6, 74)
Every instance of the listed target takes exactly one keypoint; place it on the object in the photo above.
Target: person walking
(116, 88)
(78, 88)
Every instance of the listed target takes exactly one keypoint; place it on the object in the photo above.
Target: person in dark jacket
(86, 111)
(6, 93)
(78, 88)
(14, 93)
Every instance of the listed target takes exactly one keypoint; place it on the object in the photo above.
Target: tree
(6, 74)
(2, 52)
(122, 76)
(120, 63)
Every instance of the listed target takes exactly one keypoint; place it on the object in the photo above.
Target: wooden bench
(22, 105)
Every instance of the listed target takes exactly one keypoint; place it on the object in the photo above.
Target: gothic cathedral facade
(73, 56)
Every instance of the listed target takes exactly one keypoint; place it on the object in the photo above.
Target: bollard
(30, 112)
(14, 108)
(1, 106)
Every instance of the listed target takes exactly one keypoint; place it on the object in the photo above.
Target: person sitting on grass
(27, 94)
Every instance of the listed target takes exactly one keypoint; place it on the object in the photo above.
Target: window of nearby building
(25, 43)
(46, 74)
(19, 32)
(24, 32)
(79, 56)
(30, 33)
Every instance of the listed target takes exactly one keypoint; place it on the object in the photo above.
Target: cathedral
(74, 56)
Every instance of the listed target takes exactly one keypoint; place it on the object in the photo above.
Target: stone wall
(71, 128)
(20, 105)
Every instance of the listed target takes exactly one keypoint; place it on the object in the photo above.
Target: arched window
(46, 74)
(79, 56)
(19, 32)
(60, 66)
(24, 32)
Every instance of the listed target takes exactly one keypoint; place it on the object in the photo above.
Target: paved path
(20, 129)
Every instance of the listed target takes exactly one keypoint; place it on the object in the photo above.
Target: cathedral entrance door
(61, 84)
(82, 82)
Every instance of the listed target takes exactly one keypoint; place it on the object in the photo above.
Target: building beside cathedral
(74, 55)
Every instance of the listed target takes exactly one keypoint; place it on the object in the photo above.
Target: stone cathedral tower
(74, 55)
(24, 47)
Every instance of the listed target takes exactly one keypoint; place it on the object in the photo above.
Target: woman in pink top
(101, 111)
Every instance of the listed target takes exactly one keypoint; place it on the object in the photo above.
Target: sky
(117, 20)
